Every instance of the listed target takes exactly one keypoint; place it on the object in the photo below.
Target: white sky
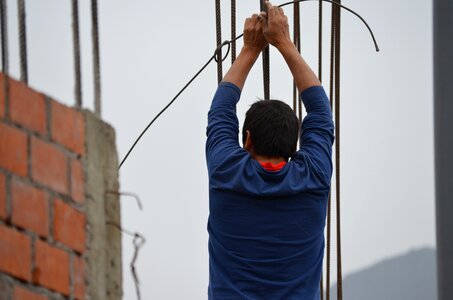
(150, 49)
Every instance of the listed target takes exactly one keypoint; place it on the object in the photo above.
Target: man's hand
(253, 34)
(275, 25)
(254, 43)
(276, 31)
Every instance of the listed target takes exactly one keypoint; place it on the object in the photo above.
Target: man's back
(266, 228)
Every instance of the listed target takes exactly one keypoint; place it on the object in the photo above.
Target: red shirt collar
(272, 167)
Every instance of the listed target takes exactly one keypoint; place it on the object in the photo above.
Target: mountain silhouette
(411, 276)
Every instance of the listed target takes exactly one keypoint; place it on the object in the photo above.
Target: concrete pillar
(103, 210)
(443, 124)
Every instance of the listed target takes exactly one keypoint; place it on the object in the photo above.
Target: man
(267, 201)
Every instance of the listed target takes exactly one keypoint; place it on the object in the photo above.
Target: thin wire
(76, 43)
(214, 57)
(96, 58)
(135, 196)
(138, 242)
(171, 102)
(346, 8)
(22, 41)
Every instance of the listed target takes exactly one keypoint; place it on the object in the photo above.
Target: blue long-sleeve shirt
(266, 228)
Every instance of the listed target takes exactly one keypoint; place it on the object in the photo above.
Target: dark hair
(274, 128)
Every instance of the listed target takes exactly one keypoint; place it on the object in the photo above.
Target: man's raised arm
(254, 43)
(317, 128)
(223, 125)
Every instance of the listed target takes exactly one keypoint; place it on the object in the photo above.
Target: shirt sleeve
(223, 125)
(317, 133)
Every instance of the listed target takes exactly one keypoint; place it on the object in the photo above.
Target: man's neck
(272, 160)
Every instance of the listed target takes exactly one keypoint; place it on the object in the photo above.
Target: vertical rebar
(233, 31)
(320, 42)
(329, 203)
(96, 58)
(76, 43)
(4, 37)
(218, 26)
(22, 41)
(337, 147)
(321, 287)
(321, 283)
(266, 64)
(296, 40)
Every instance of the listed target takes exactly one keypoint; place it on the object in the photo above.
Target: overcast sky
(149, 50)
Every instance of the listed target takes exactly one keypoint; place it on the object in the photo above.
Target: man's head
(271, 129)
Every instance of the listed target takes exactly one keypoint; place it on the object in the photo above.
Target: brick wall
(44, 224)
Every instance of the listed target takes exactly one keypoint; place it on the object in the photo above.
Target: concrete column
(443, 123)
(102, 210)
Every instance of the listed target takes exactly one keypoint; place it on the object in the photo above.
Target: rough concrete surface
(103, 258)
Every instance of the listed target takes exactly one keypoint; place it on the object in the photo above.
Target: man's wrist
(252, 51)
(285, 46)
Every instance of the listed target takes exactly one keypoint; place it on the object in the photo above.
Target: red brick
(69, 226)
(13, 150)
(2, 96)
(68, 127)
(27, 107)
(29, 208)
(51, 267)
(79, 278)
(2, 196)
(77, 181)
(49, 165)
(15, 253)
(23, 294)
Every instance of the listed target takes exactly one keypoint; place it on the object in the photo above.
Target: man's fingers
(271, 13)
(268, 5)
(247, 22)
(262, 17)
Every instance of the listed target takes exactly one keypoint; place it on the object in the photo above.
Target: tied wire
(215, 57)
(22, 41)
(137, 242)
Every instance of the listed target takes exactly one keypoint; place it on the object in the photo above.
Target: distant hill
(411, 276)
